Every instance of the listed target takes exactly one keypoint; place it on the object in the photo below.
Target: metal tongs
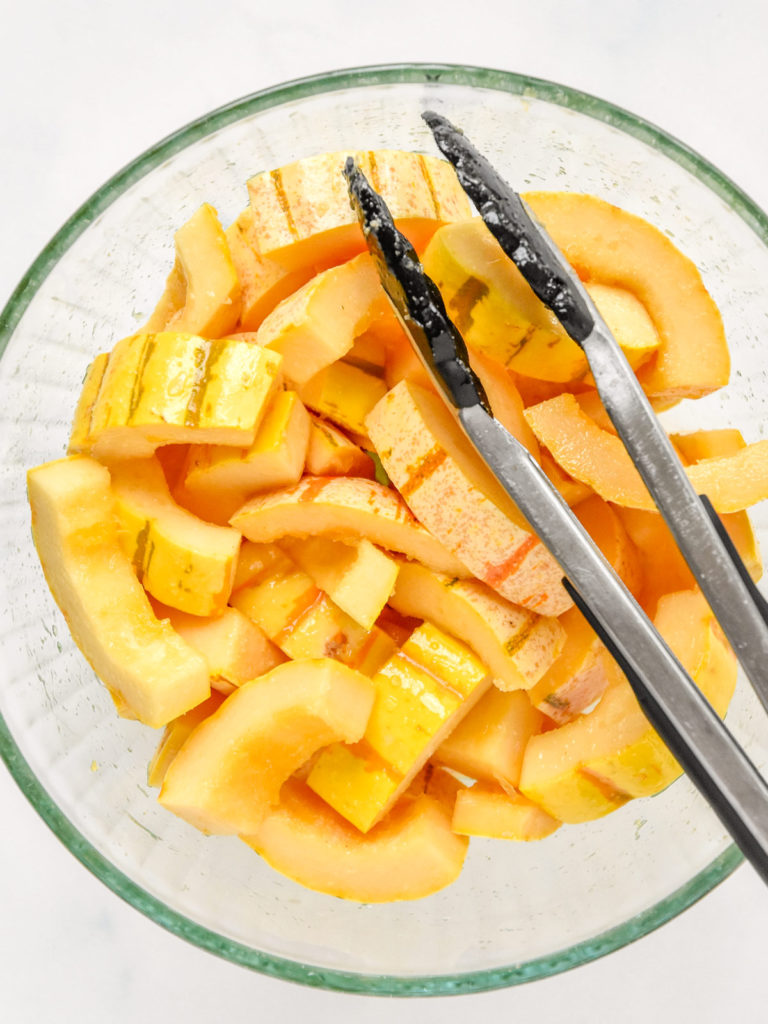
(672, 702)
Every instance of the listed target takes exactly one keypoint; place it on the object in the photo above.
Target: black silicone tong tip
(508, 219)
(414, 295)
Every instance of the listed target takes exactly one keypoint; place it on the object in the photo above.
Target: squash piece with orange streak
(517, 645)
(263, 282)
(302, 214)
(344, 508)
(455, 496)
(303, 621)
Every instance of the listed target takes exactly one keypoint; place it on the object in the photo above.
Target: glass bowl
(518, 911)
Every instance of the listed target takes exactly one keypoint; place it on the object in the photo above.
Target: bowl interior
(519, 910)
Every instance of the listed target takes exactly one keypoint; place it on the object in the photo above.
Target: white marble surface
(86, 87)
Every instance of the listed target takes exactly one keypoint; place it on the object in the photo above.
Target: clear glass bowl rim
(358, 77)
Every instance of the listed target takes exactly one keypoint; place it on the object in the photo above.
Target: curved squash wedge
(202, 294)
(597, 762)
(411, 853)
(498, 315)
(608, 245)
(229, 772)
(599, 459)
(150, 671)
(344, 508)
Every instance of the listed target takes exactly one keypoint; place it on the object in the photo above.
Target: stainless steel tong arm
(669, 697)
(694, 532)
(556, 284)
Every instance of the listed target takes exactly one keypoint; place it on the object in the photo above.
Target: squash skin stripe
(422, 471)
(283, 201)
(211, 353)
(496, 573)
(430, 185)
(147, 351)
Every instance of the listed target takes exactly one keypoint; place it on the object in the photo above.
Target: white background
(84, 88)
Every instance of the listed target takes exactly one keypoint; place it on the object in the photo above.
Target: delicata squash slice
(598, 458)
(358, 632)
(610, 246)
(301, 212)
(202, 294)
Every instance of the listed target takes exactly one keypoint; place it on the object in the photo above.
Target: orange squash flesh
(487, 810)
(229, 772)
(291, 226)
(594, 456)
(578, 677)
(411, 853)
(611, 246)
(489, 743)
(202, 295)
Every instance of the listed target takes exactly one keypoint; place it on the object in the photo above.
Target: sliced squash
(412, 853)
(488, 743)
(422, 692)
(497, 313)
(453, 493)
(331, 453)
(517, 645)
(599, 459)
(202, 294)
(217, 479)
(610, 246)
(343, 508)
(228, 774)
(597, 762)
(263, 282)
(172, 388)
(180, 559)
(152, 673)
(302, 214)
(490, 811)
